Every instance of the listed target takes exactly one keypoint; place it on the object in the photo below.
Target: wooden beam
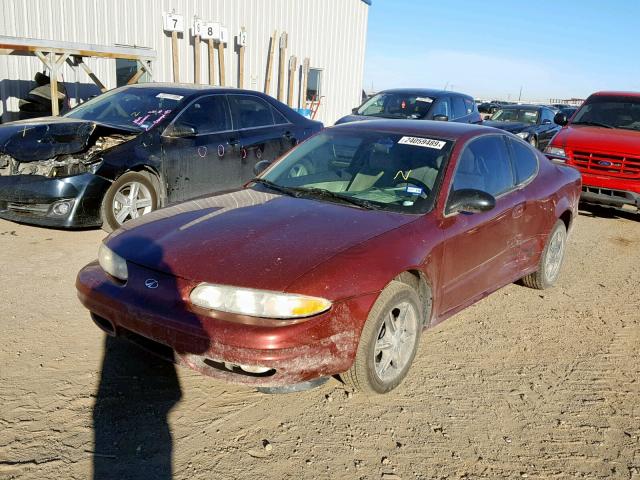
(212, 63)
(305, 81)
(174, 55)
(241, 63)
(196, 59)
(293, 65)
(221, 69)
(136, 76)
(283, 52)
(92, 76)
(272, 46)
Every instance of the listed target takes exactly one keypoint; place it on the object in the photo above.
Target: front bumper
(32, 198)
(613, 192)
(160, 321)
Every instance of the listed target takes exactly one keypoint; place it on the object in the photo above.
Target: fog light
(62, 208)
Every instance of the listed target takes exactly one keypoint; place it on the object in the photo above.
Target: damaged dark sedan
(137, 148)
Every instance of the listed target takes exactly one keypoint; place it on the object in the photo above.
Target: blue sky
(490, 48)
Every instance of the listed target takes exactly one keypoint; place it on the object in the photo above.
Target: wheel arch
(417, 280)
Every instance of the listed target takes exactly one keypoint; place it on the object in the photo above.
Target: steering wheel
(412, 181)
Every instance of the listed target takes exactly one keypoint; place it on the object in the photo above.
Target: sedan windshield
(610, 112)
(520, 115)
(132, 108)
(397, 105)
(371, 170)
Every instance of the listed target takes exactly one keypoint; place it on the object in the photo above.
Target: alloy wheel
(132, 200)
(395, 343)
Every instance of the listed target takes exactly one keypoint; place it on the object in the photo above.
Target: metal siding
(332, 33)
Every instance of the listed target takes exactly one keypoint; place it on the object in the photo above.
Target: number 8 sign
(210, 30)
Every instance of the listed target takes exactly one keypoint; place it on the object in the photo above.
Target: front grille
(624, 166)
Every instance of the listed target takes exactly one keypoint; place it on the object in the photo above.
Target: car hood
(578, 137)
(47, 137)
(248, 238)
(513, 127)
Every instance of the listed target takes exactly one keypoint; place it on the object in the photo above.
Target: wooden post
(267, 80)
(196, 59)
(212, 63)
(283, 52)
(174, 54)
(305, 80)
(293, 64)
(241, 48)
(221, 63)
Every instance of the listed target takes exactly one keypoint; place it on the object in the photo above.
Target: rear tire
(132, 195)
(388, 342)
(550, 261)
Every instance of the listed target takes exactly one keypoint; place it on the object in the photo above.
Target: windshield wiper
(321, 192)
(595, 124)
(293, 192)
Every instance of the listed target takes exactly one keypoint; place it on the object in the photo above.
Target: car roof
(445, 130)
(190, 88)
(525, 105)
(617, 94)
(427, 92)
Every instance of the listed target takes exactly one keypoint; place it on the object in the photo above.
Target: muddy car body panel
(262, 239)
(56, 171)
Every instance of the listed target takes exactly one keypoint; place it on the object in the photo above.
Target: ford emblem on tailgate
(151, 283)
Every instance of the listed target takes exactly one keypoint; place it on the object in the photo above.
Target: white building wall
(332, 33)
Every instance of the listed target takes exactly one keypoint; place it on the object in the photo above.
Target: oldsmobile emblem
(151, 283)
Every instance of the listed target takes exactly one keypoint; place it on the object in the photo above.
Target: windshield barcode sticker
(424, 99)
(170, 96)
(422, 142)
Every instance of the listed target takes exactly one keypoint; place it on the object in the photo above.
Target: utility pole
(520, 96)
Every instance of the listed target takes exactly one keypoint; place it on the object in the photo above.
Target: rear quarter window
(525, 162)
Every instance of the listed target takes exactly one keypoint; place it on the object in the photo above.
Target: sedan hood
(248, 238)
(513, 127)
(45, 138)
(584, 137)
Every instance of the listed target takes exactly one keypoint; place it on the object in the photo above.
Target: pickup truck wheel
(533, 141)
(388, 342)
(550, 260)
(130, 196)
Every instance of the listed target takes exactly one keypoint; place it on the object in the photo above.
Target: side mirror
(260, 167)
(441, 118)
(181, 131)
(560, 119)
(470, 201)
(354, 111)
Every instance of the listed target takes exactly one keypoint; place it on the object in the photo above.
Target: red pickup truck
(602, 140)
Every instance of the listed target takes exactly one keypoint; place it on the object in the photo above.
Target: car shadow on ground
(594, 211)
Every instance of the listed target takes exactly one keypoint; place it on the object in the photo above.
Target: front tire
(533, 141)
(550, 260)
(132, 195)
(388, 342)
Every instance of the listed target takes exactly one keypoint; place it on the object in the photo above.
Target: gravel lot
(524, 384)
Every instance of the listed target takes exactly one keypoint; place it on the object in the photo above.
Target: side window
(442, 107)
(546, 115)
(250, 112)
(525, 162)
(459, 109)
(279, 117)
(207, 115)
(484, 165)
(314, 85)
(468, 105)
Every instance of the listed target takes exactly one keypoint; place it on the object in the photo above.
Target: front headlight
(523, 135)
(555, 152)
(257, 303)
(113, 264)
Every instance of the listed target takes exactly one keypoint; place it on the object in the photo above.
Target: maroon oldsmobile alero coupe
(337, 257)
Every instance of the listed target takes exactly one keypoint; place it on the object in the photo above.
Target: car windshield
(132, 108)
(520, 115)
(610, 112)
(372, 170)
(397, 105)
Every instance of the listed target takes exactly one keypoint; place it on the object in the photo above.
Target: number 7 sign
(173, 22)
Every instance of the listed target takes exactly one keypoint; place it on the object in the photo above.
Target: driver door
(198, 155)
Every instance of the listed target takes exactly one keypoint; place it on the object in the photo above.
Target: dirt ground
(525, 384)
